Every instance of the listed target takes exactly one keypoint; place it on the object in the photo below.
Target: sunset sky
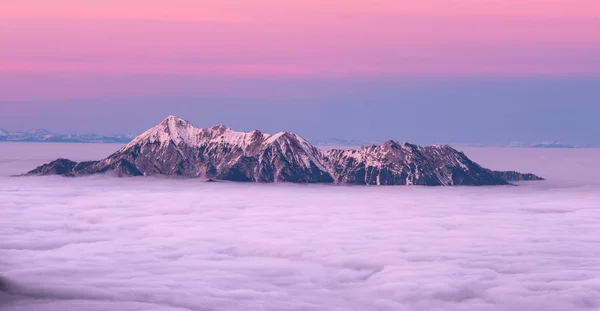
(252, 64)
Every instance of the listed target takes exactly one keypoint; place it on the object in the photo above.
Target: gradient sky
(428, 71)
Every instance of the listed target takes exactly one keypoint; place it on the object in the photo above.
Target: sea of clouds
(102, 243)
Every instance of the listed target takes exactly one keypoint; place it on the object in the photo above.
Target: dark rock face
(56, 167)
(177, 148)
(396, 163)
(516, 176)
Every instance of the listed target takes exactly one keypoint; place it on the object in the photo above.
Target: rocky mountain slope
(177, 148)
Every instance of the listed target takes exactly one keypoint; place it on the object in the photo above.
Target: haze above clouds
(102, 243)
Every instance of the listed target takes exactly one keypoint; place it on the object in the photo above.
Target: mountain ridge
(175, 147)
(539, 145)
(43, 135)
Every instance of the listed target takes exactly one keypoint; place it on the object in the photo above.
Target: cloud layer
(168, 244)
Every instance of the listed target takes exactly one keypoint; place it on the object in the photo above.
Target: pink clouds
(467, 59)
(153, 67)
(111, 10)
(237, 11)
(309, 38)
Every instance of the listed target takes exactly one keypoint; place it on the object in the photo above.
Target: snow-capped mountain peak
(171, 129)
(179, 131)
(224, 135)
(220, 128)
(38, 131)
(284, 137)
(175, 129)
(298, 148)
(176, 147)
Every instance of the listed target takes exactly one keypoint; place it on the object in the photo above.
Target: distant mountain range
(41, 135)
(349, 144)
(552, 145)
(548, 145)
(177, 148)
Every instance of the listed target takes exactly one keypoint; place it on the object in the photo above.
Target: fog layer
(101, 243)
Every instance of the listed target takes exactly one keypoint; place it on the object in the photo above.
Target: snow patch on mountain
(178, 131)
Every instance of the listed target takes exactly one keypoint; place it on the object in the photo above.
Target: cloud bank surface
(159, 244)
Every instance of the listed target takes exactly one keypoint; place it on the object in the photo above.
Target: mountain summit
(177, 148)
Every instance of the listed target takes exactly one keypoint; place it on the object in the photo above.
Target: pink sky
(308, 38)
(235, 10)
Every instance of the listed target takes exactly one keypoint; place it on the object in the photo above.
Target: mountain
(177, 148)
(558, 145)
(31, 135)
(552, 145)
(42, 135)
(394, 163)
